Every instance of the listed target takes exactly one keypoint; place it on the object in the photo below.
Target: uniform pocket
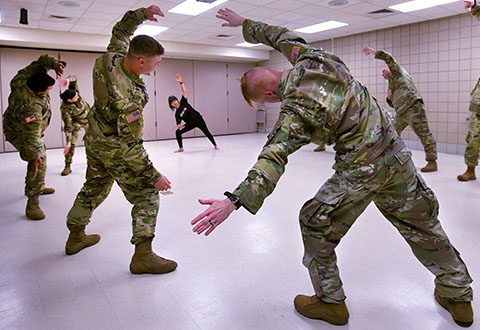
(403, 156)
(316, 211)
(428, 195)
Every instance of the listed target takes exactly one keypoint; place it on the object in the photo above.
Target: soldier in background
(404, 97)
(322, 102)
(114, 143)
(74, 115)
(473, 135)
(25, 121)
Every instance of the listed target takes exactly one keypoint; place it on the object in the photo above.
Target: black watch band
(234, 199)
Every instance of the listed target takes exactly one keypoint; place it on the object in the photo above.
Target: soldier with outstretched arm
(24, 123)
(114, 143)
(322, 102)
(403, 96)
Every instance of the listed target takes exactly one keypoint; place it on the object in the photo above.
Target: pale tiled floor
(244, 276)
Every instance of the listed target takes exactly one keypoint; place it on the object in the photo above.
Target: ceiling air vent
(59, 18)
(381, 13)
(338, 3)
(207, 1)
(223, 37)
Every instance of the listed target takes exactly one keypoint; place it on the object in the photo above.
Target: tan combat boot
(78, 240)
(468, 175)
(320, 148)
(312, 307)
(144, 260)
(47, 191)
(461, 311)
(33, 210)
(67, 170)
(430, 167)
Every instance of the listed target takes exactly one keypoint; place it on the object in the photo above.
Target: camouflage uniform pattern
(25, 121)
(74, 116)
(114, 139)
(476, 10)
(473, 135)
(322, 102)
(408, 105)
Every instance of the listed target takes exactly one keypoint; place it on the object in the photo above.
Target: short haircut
(67, 95)
(40, 82)
(144, 46)
(172, 98)
(249, 89)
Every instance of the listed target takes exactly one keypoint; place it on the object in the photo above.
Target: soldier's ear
(268, 92)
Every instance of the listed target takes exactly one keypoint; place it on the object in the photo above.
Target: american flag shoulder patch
(294, 54)
(31, 118)
(134, 116)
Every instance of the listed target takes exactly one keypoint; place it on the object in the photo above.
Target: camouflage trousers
(104, 166)
(417, 119)
(403, 197)
(33, 184)
(73, 141)
(473, 141)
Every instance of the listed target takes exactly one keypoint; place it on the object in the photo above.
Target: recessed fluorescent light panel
(150, 30)
(194, 8)
(409, 6)
(321, 27)
(247, 44)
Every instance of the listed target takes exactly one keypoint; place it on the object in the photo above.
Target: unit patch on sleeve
(294, 54)
(134, 116)
(30, 118)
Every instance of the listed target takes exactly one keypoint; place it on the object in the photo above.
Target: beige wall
(443, 58)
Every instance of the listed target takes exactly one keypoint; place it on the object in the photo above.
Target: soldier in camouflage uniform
(74, 115)
(25, 121)
(473, 135)
(322, 102)
(114, 143)
(404, 97)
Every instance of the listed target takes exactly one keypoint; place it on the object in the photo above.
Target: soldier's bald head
(255, 82)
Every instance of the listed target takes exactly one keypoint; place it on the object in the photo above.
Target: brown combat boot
(67, 170)
(144, 260)
(78, 240)
(320, 148)
(461, 311)
(47, 191)
(33, 210)
(430, 167)
(468, 175)
(312, 307)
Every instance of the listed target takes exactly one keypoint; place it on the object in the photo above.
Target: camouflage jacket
(404, 92)
(74, 113)
(321, 103)
(28, 114)
(116, 117)
(475, 101)
(476, 10)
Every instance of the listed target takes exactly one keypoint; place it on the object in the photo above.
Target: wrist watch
(234, 199)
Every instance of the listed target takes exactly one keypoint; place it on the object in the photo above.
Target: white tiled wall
(443, 58)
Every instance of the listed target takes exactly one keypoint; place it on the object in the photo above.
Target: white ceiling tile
(108, 8)
(289, 17)
(286, 5)
(55, 25)
(104, 16)
(255, 2)
(93, 22)
(86, 28)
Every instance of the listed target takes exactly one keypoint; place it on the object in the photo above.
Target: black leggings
(200, 124)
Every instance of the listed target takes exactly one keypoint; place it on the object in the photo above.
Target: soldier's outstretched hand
(232, 18)
(178, 78)
(58, 66)
(468, 5)
(151, 11)
(369, 51)
(162, 184)
(217, 213)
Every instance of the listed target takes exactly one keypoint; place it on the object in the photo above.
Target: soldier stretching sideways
(25, 121)
(74, 110)
(322, 102)
(404, 97)
(114, 143)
